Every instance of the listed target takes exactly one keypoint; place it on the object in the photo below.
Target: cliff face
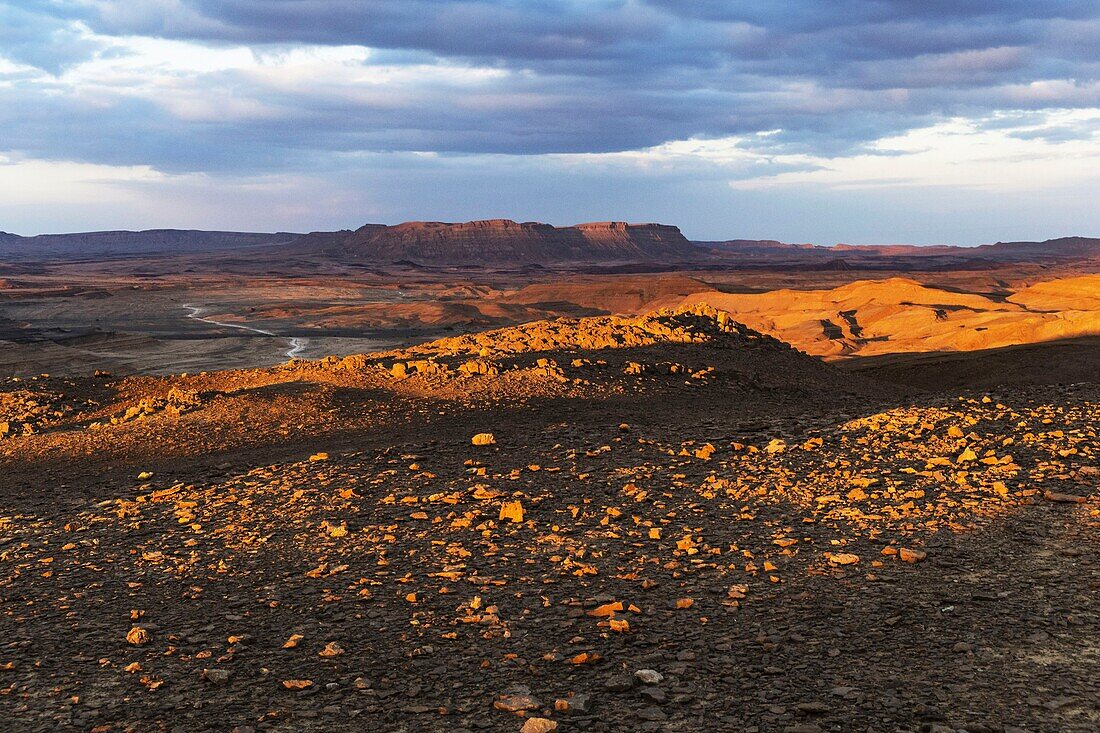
(506, 241)
(650, 240)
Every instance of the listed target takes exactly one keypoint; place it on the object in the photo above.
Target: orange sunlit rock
(511, 511)
(484, 439)
(607, 609)
(138, 636)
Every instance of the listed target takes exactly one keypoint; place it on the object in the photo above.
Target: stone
(332, 649)
(216, 676)
(1059, 498)
(652, 713)
(911, 556)
(517, 699)
(619, 683)
(538, 725)
(511, 511)
(138, 636)
(484, 439)
(777, 445)
(649, 676)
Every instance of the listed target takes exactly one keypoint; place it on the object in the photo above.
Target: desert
(486, 366)
(583, 496)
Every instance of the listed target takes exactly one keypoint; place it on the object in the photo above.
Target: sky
(859, 121)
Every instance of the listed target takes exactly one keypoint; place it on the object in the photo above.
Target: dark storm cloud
(658, 31)
(580, 76)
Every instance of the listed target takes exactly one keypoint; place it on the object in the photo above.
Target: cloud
(746, 91)
(33, 33)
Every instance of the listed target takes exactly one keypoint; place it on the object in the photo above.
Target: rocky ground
(665, 523)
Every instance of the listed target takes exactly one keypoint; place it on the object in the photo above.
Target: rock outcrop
(500, 241)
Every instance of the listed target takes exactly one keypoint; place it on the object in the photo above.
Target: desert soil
(677, 525)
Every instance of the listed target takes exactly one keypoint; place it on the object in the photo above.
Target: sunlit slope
(901, 315)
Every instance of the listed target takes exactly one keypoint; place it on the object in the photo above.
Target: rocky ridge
(502, 241)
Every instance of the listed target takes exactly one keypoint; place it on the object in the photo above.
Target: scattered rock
(911, 556)
(1063, 498)
(138, 636)
(538, 725)
(484, 439)
(649, 676)
(216, 676)
(516, 700)
(332, 649)
(511, 511)
(619, 683)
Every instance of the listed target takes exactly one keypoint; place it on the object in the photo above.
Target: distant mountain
(502, 241)
(127, 243)
(1066, 247)
(499, 242)
(763, 246)
(903, 250)
(762, 249)
(1061, 247)
(1051, 248)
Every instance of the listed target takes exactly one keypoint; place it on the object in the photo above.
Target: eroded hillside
(868, 318)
